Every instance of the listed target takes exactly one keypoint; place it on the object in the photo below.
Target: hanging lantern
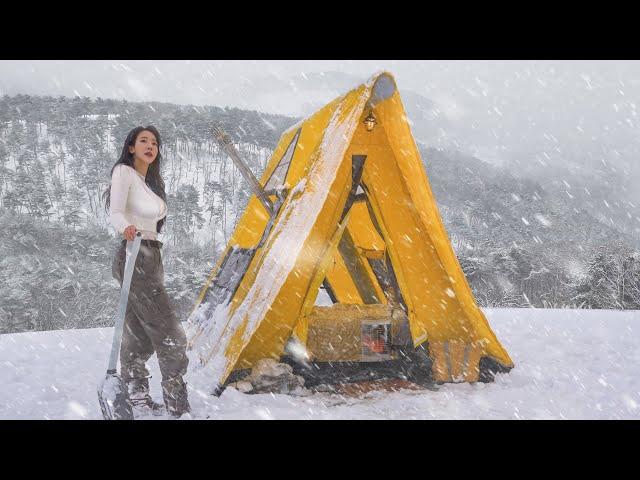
(370, 121)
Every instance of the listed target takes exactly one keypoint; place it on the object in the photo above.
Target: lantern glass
(370, 121)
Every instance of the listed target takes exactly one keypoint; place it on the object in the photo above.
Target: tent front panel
(274, 292)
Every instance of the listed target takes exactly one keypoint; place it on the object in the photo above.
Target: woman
(136, 202)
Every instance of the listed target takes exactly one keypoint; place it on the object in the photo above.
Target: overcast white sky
(572, 109)
(235, 83)
(184, 82)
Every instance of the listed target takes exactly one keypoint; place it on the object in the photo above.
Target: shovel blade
(114, 398)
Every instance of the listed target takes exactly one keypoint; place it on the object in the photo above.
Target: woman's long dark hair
(153, 178)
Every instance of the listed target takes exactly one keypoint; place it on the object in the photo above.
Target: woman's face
(146, 147)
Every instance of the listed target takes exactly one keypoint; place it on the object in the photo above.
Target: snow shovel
(112, 392)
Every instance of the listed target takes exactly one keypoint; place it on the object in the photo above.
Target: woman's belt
(148, 243)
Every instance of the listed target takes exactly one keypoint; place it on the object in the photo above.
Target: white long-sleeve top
(134, 203)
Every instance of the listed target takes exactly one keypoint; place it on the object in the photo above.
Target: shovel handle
(132, 253)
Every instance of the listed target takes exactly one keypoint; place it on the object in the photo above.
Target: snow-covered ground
(570, 364)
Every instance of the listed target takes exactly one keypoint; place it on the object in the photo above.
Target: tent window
(279, 175)
(228, 278)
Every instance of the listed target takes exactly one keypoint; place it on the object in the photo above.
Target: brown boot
(174, 392)
(141, 401)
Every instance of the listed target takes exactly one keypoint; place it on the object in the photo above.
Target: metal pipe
(225, 142)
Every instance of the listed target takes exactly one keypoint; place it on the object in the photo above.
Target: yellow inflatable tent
(352, 215)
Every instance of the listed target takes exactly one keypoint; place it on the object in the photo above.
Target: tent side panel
(414, 177)
(433, 309)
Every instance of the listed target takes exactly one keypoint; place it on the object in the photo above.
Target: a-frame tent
(353, 214)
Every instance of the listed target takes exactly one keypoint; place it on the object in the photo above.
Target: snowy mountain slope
(570, 364)
(522, 241)
(582, 149)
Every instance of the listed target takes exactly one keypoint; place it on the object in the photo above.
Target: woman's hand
(129, 232)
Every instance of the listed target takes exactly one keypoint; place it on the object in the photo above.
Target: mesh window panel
(279, 175)
(231, 272)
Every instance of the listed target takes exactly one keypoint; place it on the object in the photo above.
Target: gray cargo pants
(151, 326)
